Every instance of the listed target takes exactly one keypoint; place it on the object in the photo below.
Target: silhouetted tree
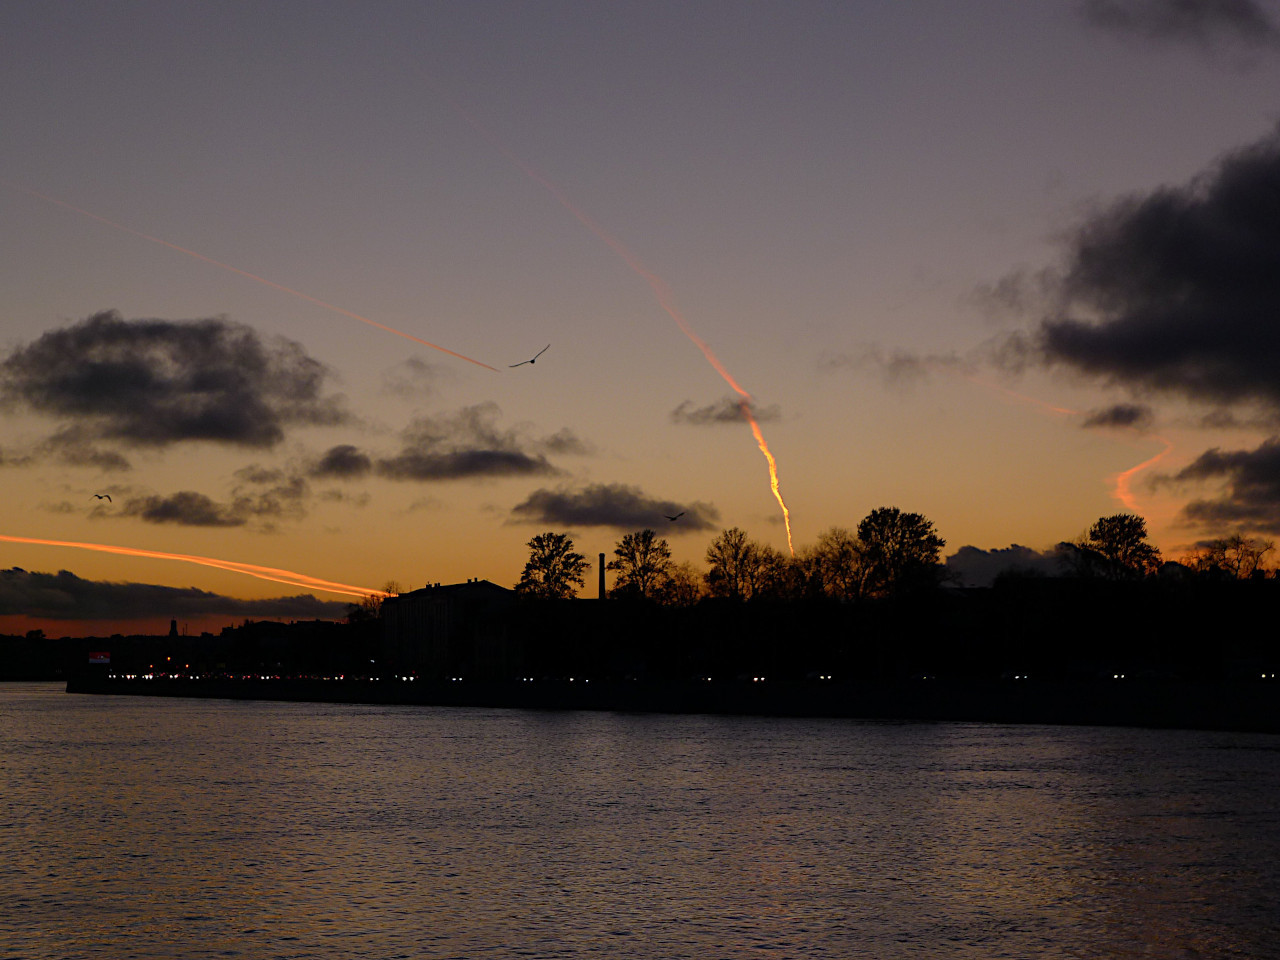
(1235, 557)
(1115, 547)
(839, 564)
(736, 563)
(642, 561)
(782, 577)
(554, 568)
(369, 607)
(899, 552)
(683, 587)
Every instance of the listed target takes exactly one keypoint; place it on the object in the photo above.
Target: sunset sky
(975, 260)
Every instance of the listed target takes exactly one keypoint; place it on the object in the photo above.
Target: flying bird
(535, 357)
(676, 517)
(102, 496)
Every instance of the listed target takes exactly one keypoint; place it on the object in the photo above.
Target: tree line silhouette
(892, 553)
(870, 603)
(867, 603)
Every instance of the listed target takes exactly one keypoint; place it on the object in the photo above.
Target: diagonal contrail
(245, 273)
(274, 574)
(656, 284)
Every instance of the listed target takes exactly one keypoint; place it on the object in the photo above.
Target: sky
(266, 269)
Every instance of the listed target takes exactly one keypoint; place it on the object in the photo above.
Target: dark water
(139, 827)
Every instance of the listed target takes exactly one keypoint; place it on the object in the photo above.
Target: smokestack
(602, 576)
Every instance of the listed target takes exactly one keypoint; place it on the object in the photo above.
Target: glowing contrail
(262, 573)
(660, 290)
(246, 273)
(1125, 478)
(1020, 397)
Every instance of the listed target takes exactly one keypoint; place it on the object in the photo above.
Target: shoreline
(1251, 706)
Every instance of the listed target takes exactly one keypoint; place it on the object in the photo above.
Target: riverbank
(1247, 706)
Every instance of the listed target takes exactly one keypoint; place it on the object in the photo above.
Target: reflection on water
(141, 827)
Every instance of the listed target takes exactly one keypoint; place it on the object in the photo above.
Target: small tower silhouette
(173, 628)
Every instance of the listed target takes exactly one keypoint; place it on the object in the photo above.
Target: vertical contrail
(273, 574)
(245, 273)
(659, 288)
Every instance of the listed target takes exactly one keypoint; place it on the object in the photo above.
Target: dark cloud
(412, 379)
(259, 475)
(897, 366)
(1120, 415)
(157, 382)
(467, 444)
(1207, 23)
(1178, 291)
(613, 505)
(341, 496)
(270, 496)
(64, 596)
(725, 410)
(1250, 496)
(185, 508)
(1014, 295)
(11, 460)
(974, 567)
(1220, 420)
(564, 442)
(71, 446)
(105, 460)
(343, 462)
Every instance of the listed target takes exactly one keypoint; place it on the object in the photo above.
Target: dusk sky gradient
(978, 261)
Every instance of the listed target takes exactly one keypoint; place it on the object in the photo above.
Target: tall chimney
(602, 576)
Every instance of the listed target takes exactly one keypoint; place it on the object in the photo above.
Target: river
(179, 828)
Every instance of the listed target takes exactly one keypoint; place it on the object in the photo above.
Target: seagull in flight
(535, 357)
(676, 517)
(102, 496)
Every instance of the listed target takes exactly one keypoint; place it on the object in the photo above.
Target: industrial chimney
(602, 576)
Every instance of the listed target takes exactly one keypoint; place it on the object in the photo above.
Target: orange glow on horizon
(660, 290)
(251, 276)
(273, 574)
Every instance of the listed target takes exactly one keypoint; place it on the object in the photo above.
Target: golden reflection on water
(170, 828)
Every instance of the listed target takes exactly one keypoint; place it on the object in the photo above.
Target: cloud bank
(898, 366)
(974, 567)
(1177, 291)
(282, 499)
(613, 505)
(464, 445)
(725, 410)
(1136, 415)
(1206, 23)
(64, 596)
(1250, 495)
(152, 383)
(343, 462)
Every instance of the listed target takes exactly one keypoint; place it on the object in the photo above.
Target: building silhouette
(451, 630)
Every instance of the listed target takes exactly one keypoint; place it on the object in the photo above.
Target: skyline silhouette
(1011, 267)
